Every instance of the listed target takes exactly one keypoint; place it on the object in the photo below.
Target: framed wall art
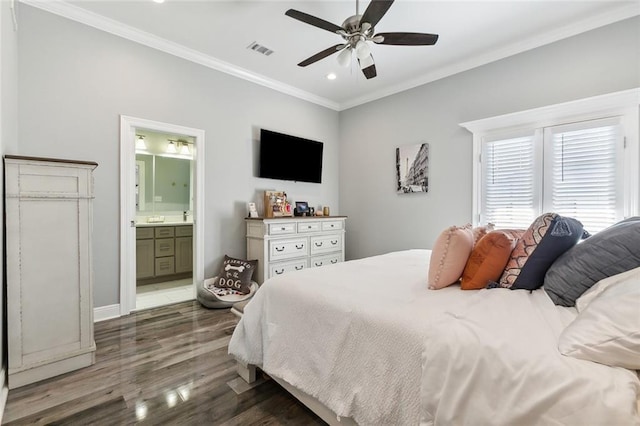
(412, 168)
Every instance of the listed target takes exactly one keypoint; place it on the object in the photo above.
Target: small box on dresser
(292, 243)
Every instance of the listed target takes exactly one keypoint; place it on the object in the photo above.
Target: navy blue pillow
(548, 237)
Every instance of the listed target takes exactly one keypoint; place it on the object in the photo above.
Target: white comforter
(371, 342)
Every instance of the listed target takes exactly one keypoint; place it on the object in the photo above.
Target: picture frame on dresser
(302, 208)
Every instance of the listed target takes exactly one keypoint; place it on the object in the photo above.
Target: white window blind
(508, 182)
(583, 172)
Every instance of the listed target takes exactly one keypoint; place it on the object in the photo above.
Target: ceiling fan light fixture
(365, 62)
(331, 76)
(362, 49)
(344, 57)
(356, 31)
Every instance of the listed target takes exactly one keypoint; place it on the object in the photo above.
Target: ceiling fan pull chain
(357, 8)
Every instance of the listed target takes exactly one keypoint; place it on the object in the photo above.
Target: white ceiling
(217, 33)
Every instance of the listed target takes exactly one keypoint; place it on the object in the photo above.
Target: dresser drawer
(164, 231)
(326, 243)
(305, 226)
(184, 231)
(288, 249)
(165, 265)
(144, 233)
(282, 228)
(330, 225)
(283, 267)
(327, 259)
(165, 247)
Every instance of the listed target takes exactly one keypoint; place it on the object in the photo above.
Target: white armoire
(48, 215)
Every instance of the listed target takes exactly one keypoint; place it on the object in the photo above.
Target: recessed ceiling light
(331, 76)
(158, 1)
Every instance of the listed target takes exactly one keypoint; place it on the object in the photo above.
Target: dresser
(49, 267)
(289, 244)
(163, 252)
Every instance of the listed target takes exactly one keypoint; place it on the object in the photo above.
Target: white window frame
(625, 104)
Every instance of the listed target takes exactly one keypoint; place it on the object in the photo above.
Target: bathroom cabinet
(164, 252)
(48, 222)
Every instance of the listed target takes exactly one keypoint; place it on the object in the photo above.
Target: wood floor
(163, 366)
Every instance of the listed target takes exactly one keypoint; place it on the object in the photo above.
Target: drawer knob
(299, 267)
(332, 225)
(318, 264)
(279, 271)
(280, 248)
(319, 244)
(308, 227)
(334, 242)
(283, 229)
(300, 247)
(334, 261)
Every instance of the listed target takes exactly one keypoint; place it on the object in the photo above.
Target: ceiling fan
(357, 31)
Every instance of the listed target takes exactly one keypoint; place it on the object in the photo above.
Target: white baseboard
(102, 313)
(4, 392)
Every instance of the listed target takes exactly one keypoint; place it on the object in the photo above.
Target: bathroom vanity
(164, 252)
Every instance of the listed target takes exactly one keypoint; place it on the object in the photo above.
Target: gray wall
(76, 81)
(597, 62)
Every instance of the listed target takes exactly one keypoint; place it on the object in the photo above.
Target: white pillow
(598, 288)
(607, 331)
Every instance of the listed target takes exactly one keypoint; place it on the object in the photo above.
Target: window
(584, 171)
(573, 170)
(509, 190)
(554, 160)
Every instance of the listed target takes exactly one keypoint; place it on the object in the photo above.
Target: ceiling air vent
(260, 48)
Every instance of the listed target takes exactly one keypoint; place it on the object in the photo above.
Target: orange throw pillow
(481, 231)
(488, 260)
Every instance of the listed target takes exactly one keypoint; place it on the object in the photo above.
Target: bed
(365, 342)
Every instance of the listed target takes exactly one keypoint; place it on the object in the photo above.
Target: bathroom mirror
(163, 184)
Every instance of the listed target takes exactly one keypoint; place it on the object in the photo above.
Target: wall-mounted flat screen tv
(287, 157)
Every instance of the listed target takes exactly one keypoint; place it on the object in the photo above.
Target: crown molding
(75, 13)
(78, 14)
(547, 115)
(569, 30)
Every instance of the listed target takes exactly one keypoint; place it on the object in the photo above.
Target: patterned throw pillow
(236, 274)
(449, 256)
(487, 260)
(545, 240)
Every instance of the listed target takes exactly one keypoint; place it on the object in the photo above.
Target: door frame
(128, 126)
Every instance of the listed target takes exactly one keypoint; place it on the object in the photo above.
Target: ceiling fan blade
(375, 11)
(368, 67)
(312, 20)
(407, 39)
(321, 55)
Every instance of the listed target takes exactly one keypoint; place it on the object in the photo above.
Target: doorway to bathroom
(161, 201)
